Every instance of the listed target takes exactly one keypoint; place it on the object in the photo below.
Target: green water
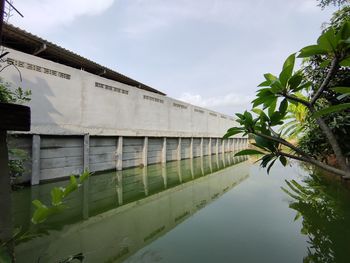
(212, 209)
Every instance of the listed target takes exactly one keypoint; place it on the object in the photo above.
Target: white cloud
(42, 15)
(233, 100)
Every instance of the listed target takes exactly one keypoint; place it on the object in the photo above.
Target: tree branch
(333, 69)
(324, 166)
(296, 99)
(281, 141)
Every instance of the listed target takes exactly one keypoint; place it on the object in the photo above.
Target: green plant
(277, 92)
(58, 194)
(9, 95)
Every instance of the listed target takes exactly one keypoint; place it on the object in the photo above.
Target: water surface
(212, 209)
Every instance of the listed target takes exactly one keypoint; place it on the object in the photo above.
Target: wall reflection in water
(115, 214)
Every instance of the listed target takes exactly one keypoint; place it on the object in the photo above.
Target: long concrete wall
(66, 100)
(51, 156)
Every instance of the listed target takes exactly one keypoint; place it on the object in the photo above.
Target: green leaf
(270, 166)
(56, 196)
(331, 109)
(295, 81)
(41, 212)
(270, 77)
(73, 185)
(276, 86)
(328, 40)
(262, 142)
(345, 62)
(345, 30)
(283, 160)
(265, 83)
(283, 106)
(325, 64)
(84, 176)
(272, 107)
(232, 131)
(312, 51)
(287, 70)
(341, 90)
(248, 152)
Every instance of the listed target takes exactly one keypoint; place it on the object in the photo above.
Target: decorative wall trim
(22, 64)
(108, 87)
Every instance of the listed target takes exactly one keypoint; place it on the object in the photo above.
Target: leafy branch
(334, 49)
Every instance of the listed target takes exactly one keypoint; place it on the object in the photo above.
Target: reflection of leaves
(323, 205)
(58, 194)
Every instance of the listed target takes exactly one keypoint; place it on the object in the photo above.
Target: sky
(211, 53)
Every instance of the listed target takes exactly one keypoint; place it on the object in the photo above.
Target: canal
(218, 208)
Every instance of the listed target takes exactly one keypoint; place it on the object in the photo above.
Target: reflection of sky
(250, 223)
(210, 53)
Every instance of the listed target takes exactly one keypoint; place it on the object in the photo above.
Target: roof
(21, 40)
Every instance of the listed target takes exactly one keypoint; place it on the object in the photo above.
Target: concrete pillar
(209, 147)
(191, 148)
(223, 146)
(179, 149)
(179, 171)
(210, 163)
(35, 160)
(164, 150)
(192, 170)
(86, 163)
(119, 154)
(202, 165)
(145, 179)
(201, 145)
(165, 177)
(119, 186)
(145, 151)
(217, 146)
(85, 187)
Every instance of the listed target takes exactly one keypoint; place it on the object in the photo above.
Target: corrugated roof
(21, 40)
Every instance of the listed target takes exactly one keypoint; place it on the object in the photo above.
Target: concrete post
(209, 147)
(223, 146)
(35, 160)
(179, 171)
(191, 148)
(86, 150)
(164, 150)
(217, 146)
(179, 149)
(145, 151)
(119, 187)
(145, 179)
(85, 187)
(165, 177)
(201, 145)
(119, 154)
(210, 163)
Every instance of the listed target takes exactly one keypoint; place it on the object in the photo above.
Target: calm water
(212, 209)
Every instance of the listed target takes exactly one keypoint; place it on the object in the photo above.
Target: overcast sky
(211, 53)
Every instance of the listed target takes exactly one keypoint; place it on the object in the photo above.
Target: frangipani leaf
(248, 152)
(331, 109)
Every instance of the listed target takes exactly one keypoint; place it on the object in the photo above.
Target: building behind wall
(85, 115)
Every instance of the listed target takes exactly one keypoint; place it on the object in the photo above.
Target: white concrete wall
(76, 106)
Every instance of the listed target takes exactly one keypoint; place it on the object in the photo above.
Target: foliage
(323, 207)
(58, 195)
(297, 114)
(7, 95)
(324, 3)
(313, 141)
(276, 93)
